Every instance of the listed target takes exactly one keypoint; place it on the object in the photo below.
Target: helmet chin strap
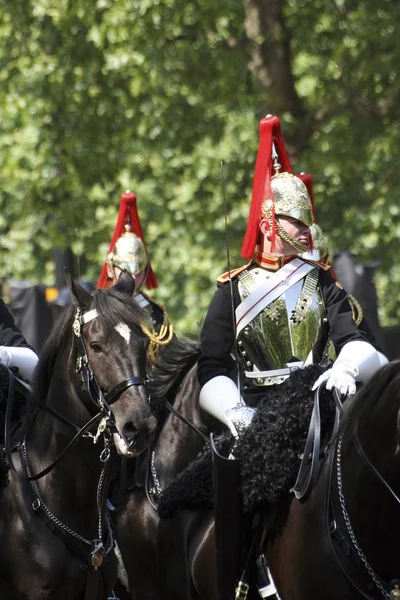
(290, 240)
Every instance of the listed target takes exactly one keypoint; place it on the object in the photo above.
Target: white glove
(5, 356)
(342, 376)
(18, 356)
(357, 361)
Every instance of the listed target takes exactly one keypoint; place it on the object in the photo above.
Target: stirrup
(268, 591)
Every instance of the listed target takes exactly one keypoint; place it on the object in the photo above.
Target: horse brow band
(91, 314)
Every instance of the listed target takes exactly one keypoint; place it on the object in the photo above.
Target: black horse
(89, 396)
(338, 541)
(180, 436)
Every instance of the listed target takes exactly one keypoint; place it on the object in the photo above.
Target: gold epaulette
(356, 310)
(322, 265)
(233, 272)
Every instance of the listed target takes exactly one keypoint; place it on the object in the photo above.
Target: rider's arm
(219, 395)
(357, 359)
(217, 337)
(14, 349)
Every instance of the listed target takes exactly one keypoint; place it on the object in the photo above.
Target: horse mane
(112, 307)
(171, 366)
(358, 409)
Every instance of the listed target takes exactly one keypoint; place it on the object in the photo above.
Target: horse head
(111, 362)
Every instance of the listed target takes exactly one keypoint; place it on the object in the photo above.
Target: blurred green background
(98, 96)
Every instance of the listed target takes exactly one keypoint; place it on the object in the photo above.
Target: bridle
(88, 381)
(94, 551)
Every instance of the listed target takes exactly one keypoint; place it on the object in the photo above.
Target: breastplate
(285, 330)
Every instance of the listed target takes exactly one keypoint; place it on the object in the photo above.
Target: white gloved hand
(5, 356)
(341, 376)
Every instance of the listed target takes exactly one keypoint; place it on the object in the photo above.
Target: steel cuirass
(283, 333)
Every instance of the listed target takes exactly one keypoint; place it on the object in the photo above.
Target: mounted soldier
(128, 252)
(265, 320)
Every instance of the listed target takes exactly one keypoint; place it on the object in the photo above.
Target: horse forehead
(124, 331)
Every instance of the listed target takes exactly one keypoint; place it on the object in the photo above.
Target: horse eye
(95, 347)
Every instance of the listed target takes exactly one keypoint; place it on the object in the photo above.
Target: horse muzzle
(125, 447)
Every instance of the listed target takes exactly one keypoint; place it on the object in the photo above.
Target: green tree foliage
(98, 96)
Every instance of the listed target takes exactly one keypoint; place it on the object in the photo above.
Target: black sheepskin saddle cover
(269, 450)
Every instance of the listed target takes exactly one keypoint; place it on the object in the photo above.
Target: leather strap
(121, 387)
(307, 475)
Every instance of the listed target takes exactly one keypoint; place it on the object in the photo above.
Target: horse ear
(125, 284)
(80, 296)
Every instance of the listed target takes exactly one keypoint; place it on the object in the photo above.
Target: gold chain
(290, 240)
(163, 337)
(267, 211)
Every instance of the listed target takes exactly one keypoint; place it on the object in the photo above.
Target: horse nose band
(111, 396)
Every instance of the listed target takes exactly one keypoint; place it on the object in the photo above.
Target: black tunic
(217, 337)
(10, 335)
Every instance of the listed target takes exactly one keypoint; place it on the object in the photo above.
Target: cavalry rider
(264, 320)
(128, 252)
(280, 300)
(15, 350)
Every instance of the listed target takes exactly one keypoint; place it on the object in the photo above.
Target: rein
(307, 476)
(155, 490)
(371, 467)
(185, 420)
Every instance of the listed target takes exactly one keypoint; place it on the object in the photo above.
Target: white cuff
(363, 356)
(23, 358)
(218, 396)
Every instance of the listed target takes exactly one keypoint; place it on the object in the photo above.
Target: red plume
(127, 214)
(270, 133)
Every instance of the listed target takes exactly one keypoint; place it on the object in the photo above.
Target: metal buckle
(36, 504)
(241, 591)
(97, 554)
(76, 325)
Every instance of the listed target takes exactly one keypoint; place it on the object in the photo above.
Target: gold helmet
(275, 192)
(127, 249)
(129, 254)
(291, 198)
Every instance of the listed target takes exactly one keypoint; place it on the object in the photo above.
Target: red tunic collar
(272, 263)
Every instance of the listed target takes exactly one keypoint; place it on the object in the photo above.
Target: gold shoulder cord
(163, 337)
(356, 310)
